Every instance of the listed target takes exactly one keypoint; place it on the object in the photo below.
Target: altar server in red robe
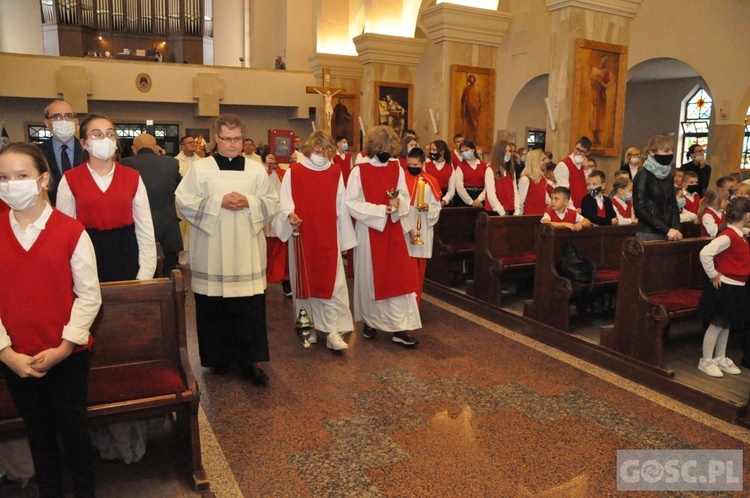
(385, 276)
(312, 202)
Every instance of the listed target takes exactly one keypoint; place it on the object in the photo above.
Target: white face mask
(20, 195)
(103, 149)
(63, 130)
(578, 159)
(318, 160)
(506, 157)
(635, 160)
(698, 157)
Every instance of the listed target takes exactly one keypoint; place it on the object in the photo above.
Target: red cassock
(277, 269)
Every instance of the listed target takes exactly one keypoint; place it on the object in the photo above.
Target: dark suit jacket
(161, 175)
(56, 169)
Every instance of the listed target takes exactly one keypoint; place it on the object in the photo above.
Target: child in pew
(723, 304)
(415, 162)
(728, 182)
(711, 211)
(619, 175)
(622, 201)
(595, 207)
(685, 215)
(558, 215)
(691, 191)
(45, 317)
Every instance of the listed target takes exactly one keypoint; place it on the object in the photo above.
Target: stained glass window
(536, 139)
(695, 122)
(38, 133)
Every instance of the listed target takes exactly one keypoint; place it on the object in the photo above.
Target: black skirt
(725, 306)
(116, 253)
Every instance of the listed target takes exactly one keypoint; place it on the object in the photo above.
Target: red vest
(344, 164)
(455, 159)
(314, 195)
(536, 197)
(505, 193)
(693, 205)
(626, 211)
(601, 211)
(570, 216)
(104, 210)
(443, 176)
(37, 296)
(473, 177)
(577, 181)
(394, 271)
(719, 219)
(402, 163)
(734, 262)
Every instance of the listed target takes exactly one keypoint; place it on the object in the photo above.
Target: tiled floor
(474, 410)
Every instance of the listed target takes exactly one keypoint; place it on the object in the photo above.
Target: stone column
(725, 149)
(605, 21)
(464, 36)
(386, 58)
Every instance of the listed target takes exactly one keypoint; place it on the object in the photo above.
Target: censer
(304, 325)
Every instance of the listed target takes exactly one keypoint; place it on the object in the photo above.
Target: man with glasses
(187, 155)
(571, 174)
(249, 150)
(227, 200)
(63, 152)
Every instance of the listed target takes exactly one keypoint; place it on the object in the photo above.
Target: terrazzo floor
(474, 410)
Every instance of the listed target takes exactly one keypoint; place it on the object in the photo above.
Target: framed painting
(281, 145)
(472, 104)
(599, 95)
(394, 105)
(345, 114)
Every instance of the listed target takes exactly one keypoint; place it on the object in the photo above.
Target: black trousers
(116, 253)
(231, 330)
(55, 406)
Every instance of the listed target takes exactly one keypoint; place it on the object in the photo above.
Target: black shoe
(405, 338)
(286, 286)
(221, 369)
(369, 332)
(256, 374)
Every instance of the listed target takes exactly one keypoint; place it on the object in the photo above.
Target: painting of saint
(394, 102)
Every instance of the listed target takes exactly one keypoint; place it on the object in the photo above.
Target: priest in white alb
(312, 201)
(227, 200)
(385, 276)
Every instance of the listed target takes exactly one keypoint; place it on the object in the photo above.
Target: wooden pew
(554, 293)
(505, 248)
(453, 244)
(659, 282)
(690, 230)
(139, 364)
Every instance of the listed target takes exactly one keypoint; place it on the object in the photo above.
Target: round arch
(528, 109)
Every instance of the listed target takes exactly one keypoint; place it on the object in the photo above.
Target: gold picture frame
(472, 104)
(599, 95)
(393, 105)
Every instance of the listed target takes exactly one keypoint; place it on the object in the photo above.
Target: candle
(420, 192)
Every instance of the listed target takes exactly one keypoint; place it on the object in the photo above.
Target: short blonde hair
(382, 139)
(632, 152)
(319, 139)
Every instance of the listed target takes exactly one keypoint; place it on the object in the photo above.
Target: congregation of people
(240, 220)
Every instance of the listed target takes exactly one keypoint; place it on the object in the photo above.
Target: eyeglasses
(236, 140)
(98, 135)
(62, 117)
(582, 151)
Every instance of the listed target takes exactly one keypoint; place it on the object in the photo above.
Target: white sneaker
(336, 342)
(727, 365)
(709, 367)
(313, 337)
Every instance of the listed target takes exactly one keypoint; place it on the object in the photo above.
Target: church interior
(501, 397)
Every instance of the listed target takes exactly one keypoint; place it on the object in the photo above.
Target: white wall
(229, 32)
(21, 27)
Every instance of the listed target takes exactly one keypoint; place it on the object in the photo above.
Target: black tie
(64, 158)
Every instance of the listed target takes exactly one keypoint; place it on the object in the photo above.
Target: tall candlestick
(420, 192)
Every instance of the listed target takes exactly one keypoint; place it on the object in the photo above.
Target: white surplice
(227, 248)
(328, 315)
(394, 314)
(429, 218)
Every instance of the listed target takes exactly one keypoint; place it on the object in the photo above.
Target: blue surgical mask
(344, 147)
(628, 197)
(681, 202)
(467, 155)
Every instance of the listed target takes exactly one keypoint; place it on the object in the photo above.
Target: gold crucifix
(327, 93)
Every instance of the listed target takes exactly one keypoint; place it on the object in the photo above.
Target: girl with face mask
(469, 176)
(312, 202)
(439, 166)
(110, 200)
(500, 186)
(47, 258)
